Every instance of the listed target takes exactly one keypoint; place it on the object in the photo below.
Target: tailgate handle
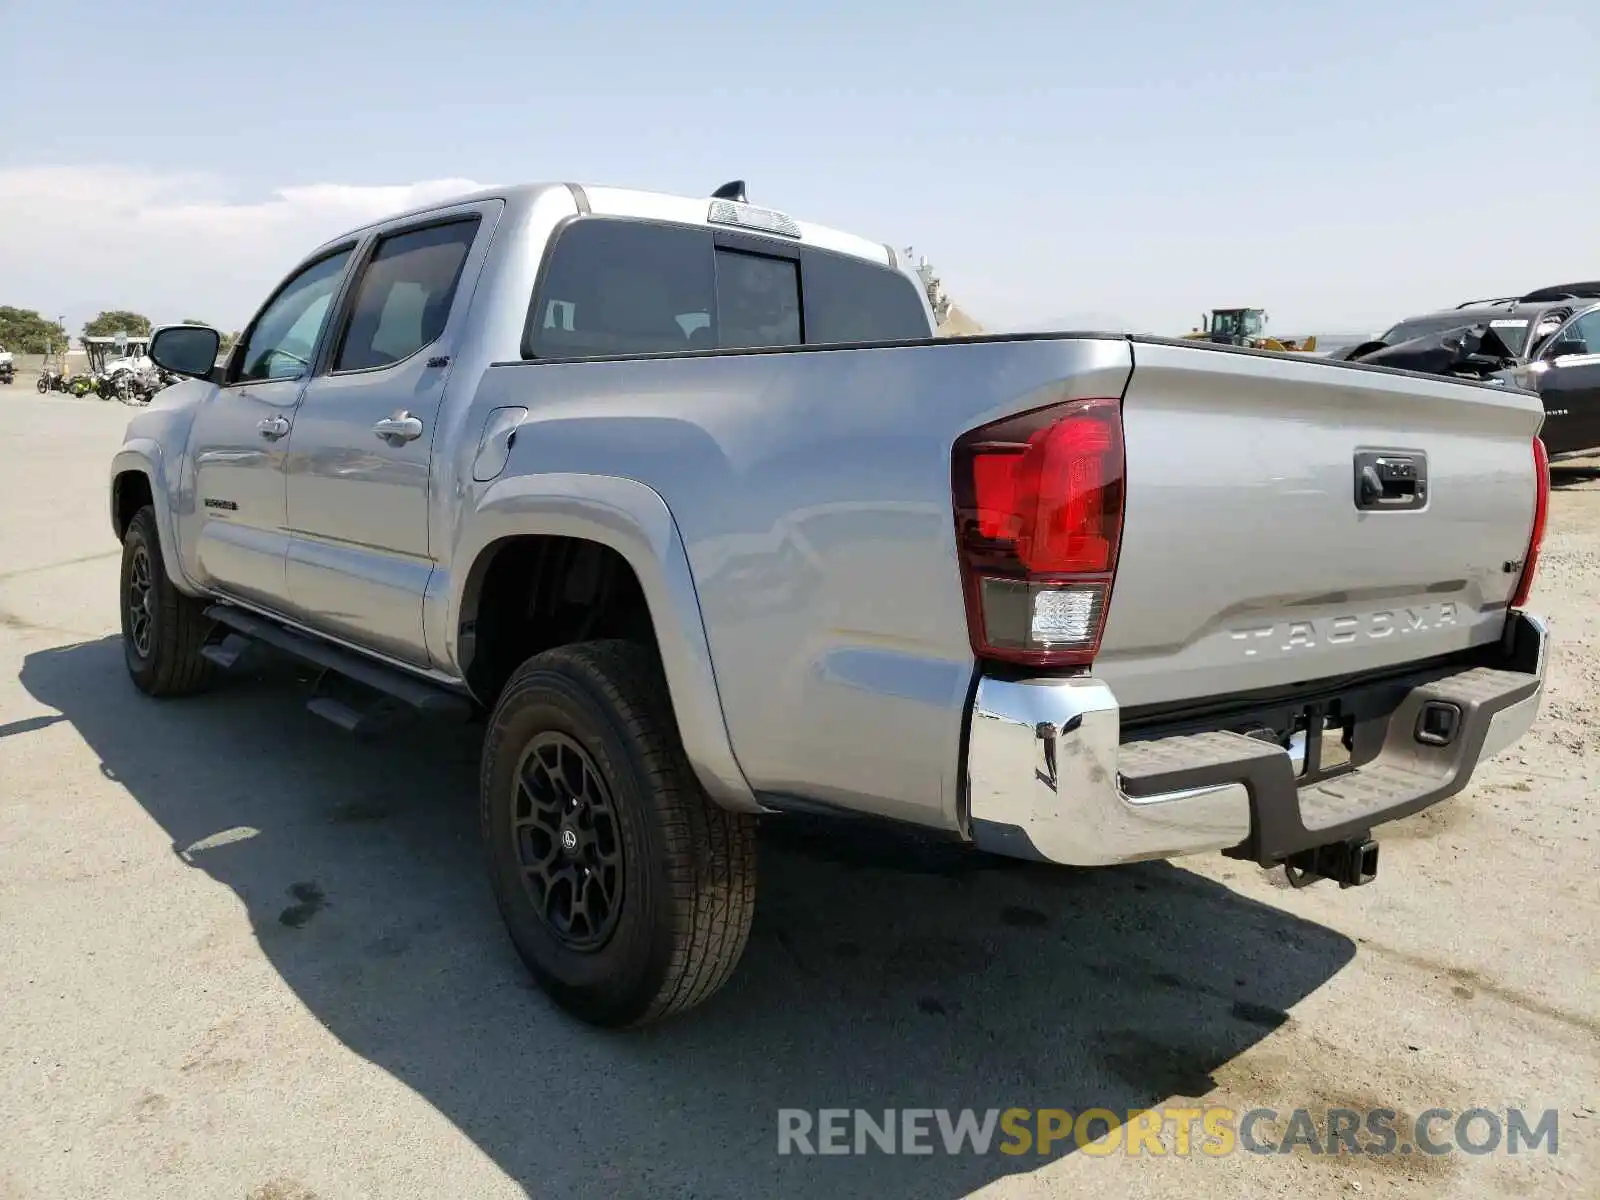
(1390, 481)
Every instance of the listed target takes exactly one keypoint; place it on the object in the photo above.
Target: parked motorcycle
(140, 385)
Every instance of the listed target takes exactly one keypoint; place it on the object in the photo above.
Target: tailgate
(1247, 562)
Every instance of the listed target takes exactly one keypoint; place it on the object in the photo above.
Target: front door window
(284, 337)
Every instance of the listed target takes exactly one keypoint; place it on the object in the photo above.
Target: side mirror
(1565, 349)
(186, 349)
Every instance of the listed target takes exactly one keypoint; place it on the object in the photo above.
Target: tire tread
(182, 626)
(710, 853)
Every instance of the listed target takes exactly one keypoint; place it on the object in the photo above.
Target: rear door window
(405, 294)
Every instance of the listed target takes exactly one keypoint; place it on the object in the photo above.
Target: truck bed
(813, 492)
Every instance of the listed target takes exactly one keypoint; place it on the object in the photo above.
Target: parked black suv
(1547, 341)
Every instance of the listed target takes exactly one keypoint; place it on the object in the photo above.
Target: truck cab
(1234, 326)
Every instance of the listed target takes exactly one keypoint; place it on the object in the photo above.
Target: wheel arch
(630, 525)
(138, 477)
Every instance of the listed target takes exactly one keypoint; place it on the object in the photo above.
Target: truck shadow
(1564, 476)
(882, 972)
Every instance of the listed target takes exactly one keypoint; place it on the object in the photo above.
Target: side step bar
(394, 689)
(227, 653)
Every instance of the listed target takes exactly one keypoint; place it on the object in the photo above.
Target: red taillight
(1039, 501)
(1541, 508)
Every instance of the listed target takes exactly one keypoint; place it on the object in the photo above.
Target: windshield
(1511, 330)
(1236, 322)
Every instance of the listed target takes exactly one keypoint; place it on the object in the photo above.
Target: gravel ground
(243, 956)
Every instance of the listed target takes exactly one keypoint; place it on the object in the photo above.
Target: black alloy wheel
(564, 827)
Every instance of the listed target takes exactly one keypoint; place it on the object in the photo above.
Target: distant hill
(1085, 321)
(1091, 321)
(950, 320)
(957, 323)
(1328, 343)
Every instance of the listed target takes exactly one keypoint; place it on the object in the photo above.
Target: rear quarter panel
(812, 492)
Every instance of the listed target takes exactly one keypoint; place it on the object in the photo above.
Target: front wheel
(626, 891)
(162, 629)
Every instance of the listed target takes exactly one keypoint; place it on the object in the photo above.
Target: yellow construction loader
(1245, 327)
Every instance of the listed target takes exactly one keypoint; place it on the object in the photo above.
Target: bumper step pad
(1188, 760)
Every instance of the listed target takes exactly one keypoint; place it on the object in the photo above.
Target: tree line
(24, 331)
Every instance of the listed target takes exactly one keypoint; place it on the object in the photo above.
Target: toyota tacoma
(682, 499)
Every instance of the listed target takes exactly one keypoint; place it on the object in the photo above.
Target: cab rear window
(615, 287)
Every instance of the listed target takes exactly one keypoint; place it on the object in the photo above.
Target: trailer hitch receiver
(1351, 863)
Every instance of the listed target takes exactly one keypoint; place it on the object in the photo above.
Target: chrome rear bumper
(1049, 777)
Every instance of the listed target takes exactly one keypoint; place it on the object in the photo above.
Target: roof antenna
(732, 190)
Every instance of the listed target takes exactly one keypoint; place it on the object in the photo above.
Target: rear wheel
(626, 891)
(162, 629)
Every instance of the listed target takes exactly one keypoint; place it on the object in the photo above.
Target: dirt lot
(243, 956)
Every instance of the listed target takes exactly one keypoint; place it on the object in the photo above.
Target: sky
(1060, 164)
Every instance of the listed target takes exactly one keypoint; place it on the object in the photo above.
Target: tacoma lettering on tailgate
(1334, 631)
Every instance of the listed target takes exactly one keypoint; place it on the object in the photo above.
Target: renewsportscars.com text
(1212, 1131)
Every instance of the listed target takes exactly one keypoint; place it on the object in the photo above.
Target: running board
(227, 653)
(392, 684)
(363, 716)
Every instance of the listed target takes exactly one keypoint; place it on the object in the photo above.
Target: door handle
(402, 427)
(273, 428)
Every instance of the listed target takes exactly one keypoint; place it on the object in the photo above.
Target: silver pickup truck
(682, 497)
